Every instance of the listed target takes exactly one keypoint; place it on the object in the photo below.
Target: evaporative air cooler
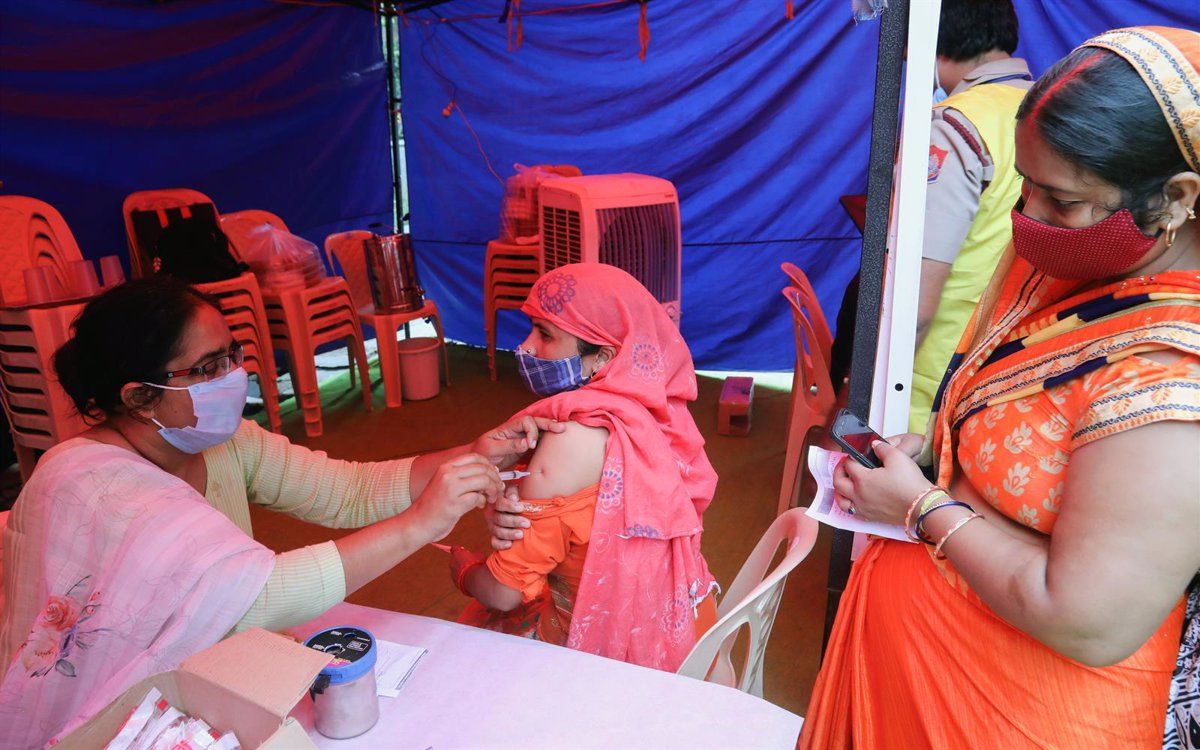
(630, 221)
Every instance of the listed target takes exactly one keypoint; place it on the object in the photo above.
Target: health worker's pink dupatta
(114, 570)
(644, 574)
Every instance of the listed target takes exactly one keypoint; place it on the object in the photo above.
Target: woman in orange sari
(1047, 606)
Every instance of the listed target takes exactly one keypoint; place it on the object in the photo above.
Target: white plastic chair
(752, 601)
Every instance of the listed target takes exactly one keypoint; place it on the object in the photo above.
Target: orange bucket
(419, 368)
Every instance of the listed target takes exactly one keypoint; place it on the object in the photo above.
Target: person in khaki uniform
(972, 182)
(971, 186)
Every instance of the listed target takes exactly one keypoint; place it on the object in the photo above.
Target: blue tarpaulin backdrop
(256, 104)
(761, 123)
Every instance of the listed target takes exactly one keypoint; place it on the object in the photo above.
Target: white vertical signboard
(891, 393)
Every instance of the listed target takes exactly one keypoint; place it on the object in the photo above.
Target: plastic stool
(733, 410)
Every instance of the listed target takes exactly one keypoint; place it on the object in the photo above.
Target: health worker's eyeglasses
(214, 368)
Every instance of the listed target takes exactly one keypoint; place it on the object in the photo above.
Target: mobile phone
(855, 435)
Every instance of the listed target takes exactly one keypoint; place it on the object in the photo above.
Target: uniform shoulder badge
(937, 157)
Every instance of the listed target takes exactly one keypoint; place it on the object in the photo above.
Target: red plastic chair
(40, 414)
(238, 225)
(510, 271)
(301, 319)
(249, 218)
(347, 249)
(32, 233)
(147, 213)
(242, 307)
(813, 399)
(812, 307)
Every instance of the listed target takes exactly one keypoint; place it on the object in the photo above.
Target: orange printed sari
(916, 659)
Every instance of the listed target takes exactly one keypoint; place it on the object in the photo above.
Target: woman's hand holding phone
(856, 437)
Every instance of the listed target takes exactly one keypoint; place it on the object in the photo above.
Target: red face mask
(1104, 249)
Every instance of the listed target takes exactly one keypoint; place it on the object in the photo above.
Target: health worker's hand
(457, 487)
(506, 444)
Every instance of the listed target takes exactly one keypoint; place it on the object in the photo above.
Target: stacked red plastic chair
(811, 307)
(302, 318)
(40, 414)
(510, 271)
(511, 267)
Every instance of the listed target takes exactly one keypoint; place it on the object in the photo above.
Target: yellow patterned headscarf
(1167, 60)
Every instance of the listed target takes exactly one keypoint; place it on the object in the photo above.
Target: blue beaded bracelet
(921, 520)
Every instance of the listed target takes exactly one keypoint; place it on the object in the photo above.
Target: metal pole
(395, 124)
(893, 33)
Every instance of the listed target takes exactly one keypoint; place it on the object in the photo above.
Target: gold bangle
(937, 551)
(921, 499)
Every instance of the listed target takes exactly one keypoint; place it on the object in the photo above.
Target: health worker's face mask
(546, 377)
(1107, 248)
(217, 405)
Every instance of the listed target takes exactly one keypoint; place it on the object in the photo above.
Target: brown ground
(750, 469)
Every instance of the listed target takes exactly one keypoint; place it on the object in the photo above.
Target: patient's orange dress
(546, 565)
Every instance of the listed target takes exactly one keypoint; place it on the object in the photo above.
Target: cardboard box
(247, 684)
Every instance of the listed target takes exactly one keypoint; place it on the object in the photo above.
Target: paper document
(395, 663)
(822, 464)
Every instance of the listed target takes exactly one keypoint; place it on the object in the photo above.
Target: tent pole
(395, 121)
(893, 35)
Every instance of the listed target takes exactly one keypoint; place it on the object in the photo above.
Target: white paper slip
(395, 663)
(821, 463)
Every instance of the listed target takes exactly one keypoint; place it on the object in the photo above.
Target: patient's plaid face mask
(546, 377)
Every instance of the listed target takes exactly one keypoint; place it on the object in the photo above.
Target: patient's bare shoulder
(566, 462)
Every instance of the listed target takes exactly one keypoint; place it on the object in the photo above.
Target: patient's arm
(483, 586)
(566, 462)
(563, 464)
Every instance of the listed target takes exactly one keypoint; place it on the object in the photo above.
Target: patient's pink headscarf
(644, 573)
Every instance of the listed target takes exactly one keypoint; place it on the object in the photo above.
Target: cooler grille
(560, 237)
(644, 242)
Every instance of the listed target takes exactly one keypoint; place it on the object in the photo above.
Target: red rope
(516, 12)
(520, 23)
(643, 32)
(791, 10)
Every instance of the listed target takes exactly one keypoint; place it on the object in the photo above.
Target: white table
(478, 689)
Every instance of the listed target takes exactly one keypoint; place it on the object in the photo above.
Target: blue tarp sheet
(760, 123)
(256, 104)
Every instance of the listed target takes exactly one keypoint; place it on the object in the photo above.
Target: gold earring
(1191, 212)
(1170, 234)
